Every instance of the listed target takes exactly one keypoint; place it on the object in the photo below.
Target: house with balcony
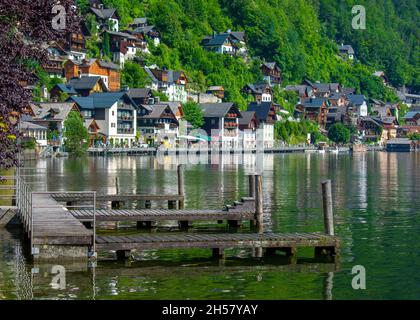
(115, 113)
(157, 124)
(108, 71)
(141, 29)
(221, 122)
(171, 83)
(272, 73)
(266, 115)
(314, 109)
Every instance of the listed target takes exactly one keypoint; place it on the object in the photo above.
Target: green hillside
(301, 36)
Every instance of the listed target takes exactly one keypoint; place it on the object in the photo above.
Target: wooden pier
(55, 232)
(284, 242)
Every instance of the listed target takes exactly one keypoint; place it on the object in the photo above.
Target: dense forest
(301, 36)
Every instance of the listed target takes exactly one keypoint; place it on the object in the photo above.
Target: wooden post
(180, 186)
(259, 203)
(328, 208)
(218, 253)
(251, 186)
(171, 204)
(117, 185)
(148, 204)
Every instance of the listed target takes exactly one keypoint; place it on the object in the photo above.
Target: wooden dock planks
(69, 197)
(163, 214)
(223, 241)
(53, 224)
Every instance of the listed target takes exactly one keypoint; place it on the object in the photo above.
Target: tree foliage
(76, 136)
(134, 76)
(25, 26)
(193, 114)
(339, 133)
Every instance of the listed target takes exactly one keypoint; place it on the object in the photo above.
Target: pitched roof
(122, 34)
(314, 103)
(216, 110)
(257, 87)
(356, 99)
(239, 35)
(156, 74)
(85, 83)
(139, 92)
(411, 114)
(216, 40)
(143, 30)
(155, 111)
(88, 122)
(103, 13)
(139, 20)
(89, 62)
(66, 88)
(24, 125)
(246, 117)
(270, 65)
(102, 100)
(261, 109)
(52, 111)
(347, 48)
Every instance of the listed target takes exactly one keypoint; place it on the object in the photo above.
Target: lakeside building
(266, 116)
(115, 114)
(221, 122)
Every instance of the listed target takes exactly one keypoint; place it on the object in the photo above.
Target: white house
(171, 83)
(358, 103)
(114, 112)
(39, 133)
(266, 115)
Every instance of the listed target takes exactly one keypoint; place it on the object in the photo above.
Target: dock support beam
(171, 204)
(123, 254)
(251, 186)
(116, 204)
(259, 203)
(148, 204)
(218, 253)
(328, 207)
(180, 175)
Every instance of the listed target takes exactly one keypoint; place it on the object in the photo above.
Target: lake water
(377, 215)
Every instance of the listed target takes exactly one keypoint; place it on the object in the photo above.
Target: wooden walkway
(287, 242)
(53, 224)
(146, 215)
(72, 197)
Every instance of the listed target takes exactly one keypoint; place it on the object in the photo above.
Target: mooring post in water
(117, 185)
(328, 207)
(251, 185)
(180, 186)
(259, 202)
